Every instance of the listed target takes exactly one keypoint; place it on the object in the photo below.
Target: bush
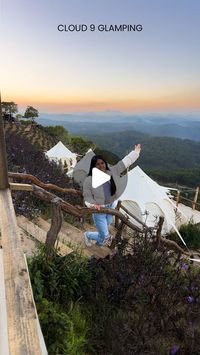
(64, 333)
(145, 304)
(190, 233)
(59, 279)
(26, 122)
(57, 285)
(55, 325)
(140, 302)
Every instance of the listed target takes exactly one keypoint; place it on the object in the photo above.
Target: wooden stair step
(74, 236)
(38, 233)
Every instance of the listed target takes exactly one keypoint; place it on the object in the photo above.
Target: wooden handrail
(50, 197)
(113, 212)
(132, 215)
(78, 211)
(36, 181)
(194, 201)
(83, 211)
(39, 189)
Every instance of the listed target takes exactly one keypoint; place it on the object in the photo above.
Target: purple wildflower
(141, 278)
(174, 350)
(114, 252)
(184, 266)
(190, 299)
(194, 288)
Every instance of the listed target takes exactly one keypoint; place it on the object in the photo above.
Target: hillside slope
(34, 134)
(157, 152)
(166, 159)
(22, 156)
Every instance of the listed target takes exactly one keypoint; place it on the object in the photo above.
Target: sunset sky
(155, 70)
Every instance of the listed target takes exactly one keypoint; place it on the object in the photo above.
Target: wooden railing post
(195, 198)
(3, 162)
(178, 198)
(158, 232)
(56, 223)
(117, 218)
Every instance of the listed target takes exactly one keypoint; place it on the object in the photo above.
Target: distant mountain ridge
(168, 160)
(178, 126)
(157, 152)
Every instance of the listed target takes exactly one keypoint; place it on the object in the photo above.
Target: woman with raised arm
(105, 195)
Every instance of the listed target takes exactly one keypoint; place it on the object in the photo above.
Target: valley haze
(178, 125)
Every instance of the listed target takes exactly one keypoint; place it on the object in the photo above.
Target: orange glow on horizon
(52, 105)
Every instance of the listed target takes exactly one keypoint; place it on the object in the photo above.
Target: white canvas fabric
(81, 169)
(60, 153)
(151, 198)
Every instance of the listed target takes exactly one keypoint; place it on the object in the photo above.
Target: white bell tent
(147, 200)
(60, 153)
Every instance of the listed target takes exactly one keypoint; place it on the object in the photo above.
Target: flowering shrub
(155, 303)
(137, 303)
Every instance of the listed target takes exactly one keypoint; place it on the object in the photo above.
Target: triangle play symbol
(99, 178)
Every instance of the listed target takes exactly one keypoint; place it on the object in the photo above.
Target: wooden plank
(74, 236)
(21, 317)
(4, 347)
(40, 335)
(20, 187)
(64, 238)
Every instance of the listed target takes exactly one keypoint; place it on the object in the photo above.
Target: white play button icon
(94, 180)
(99, 178)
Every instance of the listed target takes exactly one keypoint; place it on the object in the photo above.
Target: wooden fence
(194, 204)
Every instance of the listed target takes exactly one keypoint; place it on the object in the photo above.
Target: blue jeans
(102, 222)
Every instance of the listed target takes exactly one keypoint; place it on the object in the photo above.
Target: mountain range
(183, 126)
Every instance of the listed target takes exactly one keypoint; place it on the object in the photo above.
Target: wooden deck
(22, 322)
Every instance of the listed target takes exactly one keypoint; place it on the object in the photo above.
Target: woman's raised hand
(96, 207)
(138, 148)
